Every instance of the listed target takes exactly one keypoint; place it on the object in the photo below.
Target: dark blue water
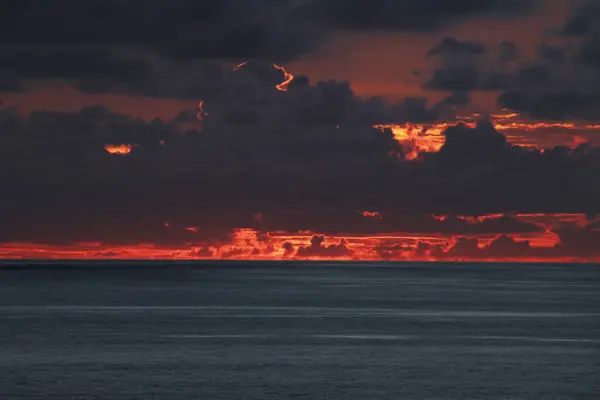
(290, 331)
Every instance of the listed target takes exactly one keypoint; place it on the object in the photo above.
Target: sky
(418, 130)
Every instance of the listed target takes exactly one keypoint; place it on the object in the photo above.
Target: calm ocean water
(300, 331)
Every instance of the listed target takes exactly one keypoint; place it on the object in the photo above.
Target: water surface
(300, 331)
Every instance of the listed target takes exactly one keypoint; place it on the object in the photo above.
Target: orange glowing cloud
(371, 214)
(119, 149)
(240, 65)
(419, 138)
(249, 244)
(288, 78)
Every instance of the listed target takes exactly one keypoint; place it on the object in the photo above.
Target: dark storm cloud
(453, 79)
(589, 52)
(563, 82)
(560, 81)
(452, 46)
(501, 247)
(551, 53)
(456, 65)
(584, 26)
(508, 52)
(579, 241)
(583, 20)
(558, 105)
(106, 46)
(255, 142)
(317, 248)
(227, 28)
(574, 241)
(307, 159)
(477, 171)
(179, 28)
(464, 66)
(453, 105)
(44, 63)
(410, 15)
(473, 146)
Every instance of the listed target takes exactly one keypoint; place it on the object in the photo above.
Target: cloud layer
(306, 159)
(107, 46)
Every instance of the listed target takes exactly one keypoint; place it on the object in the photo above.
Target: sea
(284, 330)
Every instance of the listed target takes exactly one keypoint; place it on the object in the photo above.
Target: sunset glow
(418, 138)
(250, 244)
(305, 134)
(288, 78)
(119, 149)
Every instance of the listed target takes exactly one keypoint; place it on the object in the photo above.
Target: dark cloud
(148, 47)
(463, 145)
(226, 28)
(576, 241)
(563, 81)
(10, 82)
(452, 79)
(582, 29)
(553, 105)
(453, 105)
(306, 159)
(410, 15)
(552, 53)
(62, 186)
(318, 248)
(42, 63)
(465, 66)
(288, 249)
(455, 65)
(584, 25)
(560, 81)
(451, 46)
(179, 29)
(477, 169)
(508, 51)
(263, 26)
(256, 141)
(589, 52)
(583, 20)
(456, 99)
(502, 247)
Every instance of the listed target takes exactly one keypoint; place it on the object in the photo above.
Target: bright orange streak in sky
(240, 65)
(201, 113)
(283, 86)
(120, 149)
